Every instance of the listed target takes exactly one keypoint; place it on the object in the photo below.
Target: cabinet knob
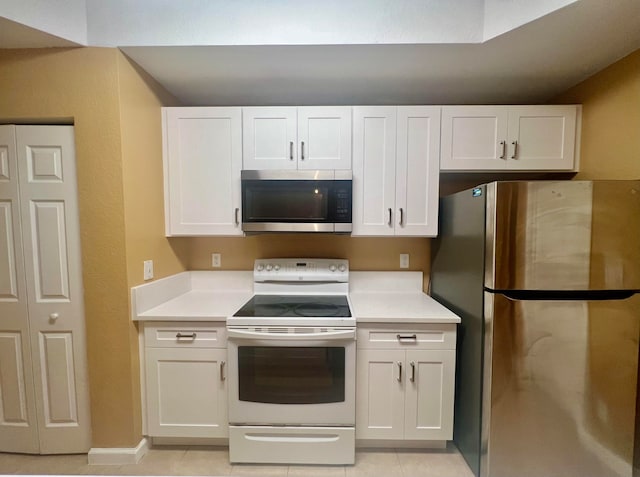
(54, 316)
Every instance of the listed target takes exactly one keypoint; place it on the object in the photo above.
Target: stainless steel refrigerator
(545, 276)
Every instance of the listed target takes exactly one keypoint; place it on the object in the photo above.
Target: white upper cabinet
(517, 138)
(313, 137)
(202, 163)
(395, 170)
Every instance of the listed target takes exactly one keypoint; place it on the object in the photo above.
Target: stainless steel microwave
(296, 201)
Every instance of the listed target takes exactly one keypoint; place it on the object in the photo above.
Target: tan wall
(141, 98)
(363, 253)
(610, 121)
(116, 116)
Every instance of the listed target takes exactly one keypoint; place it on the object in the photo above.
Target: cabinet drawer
(188, 335)
(431, 336)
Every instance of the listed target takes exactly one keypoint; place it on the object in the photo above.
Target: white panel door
(417, 170)
(269, 138)
(18, 422)
(202, 164)
(49, 217)
(374, 170)
(474, 138)
(542, 137)
(429, 394)
(380, 377)
(186, 392)
(324, 136)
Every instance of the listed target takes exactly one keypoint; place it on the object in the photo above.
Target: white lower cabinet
(186, 380)
(405, 382)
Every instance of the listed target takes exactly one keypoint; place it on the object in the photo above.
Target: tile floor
(214, 461)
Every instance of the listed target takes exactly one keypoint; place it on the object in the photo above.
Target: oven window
(276, 201)
(291, 375)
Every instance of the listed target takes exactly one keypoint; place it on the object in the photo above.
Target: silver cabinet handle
(399, 371)
(401, 215)
(389, 223)
(504, 149)
(222, 376)
(302, 151)
(413, 372)
(236, 212)
(191, 336)
(413, 337)
(291, 150)
(515, 149)
(54, 316)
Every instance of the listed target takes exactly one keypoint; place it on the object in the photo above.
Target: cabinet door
(324, 134)
(380, 377)
(18, 422)
(53, 272)
(202, 163)
(186, 392)
(474, 138)
(429, 394)
(374, 161)
(417, 170)
(269, 138)
(542, 137)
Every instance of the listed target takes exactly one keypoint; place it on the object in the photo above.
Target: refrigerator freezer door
(563, 235)
(561, 395)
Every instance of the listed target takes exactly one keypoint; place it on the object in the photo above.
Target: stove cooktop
(296, 306)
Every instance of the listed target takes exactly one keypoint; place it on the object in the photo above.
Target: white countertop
(379, 297)
(399, 307)
(198, 305)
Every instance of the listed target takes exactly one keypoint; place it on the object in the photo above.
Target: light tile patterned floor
(214, 461)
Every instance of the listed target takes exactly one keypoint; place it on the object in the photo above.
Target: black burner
(319, 306)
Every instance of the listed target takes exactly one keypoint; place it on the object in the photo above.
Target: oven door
(294, 376)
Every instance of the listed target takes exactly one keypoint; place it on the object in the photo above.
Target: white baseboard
(118, 455)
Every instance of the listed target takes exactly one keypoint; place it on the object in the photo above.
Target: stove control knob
(260, 267)
(276, 267)
(332, 268)
(342, 268)
(269, 267)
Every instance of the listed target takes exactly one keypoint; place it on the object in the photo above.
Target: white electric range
(292, 358)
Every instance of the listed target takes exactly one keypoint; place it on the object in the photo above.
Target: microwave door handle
(328, 335)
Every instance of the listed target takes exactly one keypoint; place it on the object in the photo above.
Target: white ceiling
(215, 52)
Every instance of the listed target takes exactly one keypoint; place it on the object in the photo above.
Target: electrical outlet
(404, 260)
(216, 260)
(148, 269)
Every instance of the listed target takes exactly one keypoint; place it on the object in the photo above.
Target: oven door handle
(324, 335)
